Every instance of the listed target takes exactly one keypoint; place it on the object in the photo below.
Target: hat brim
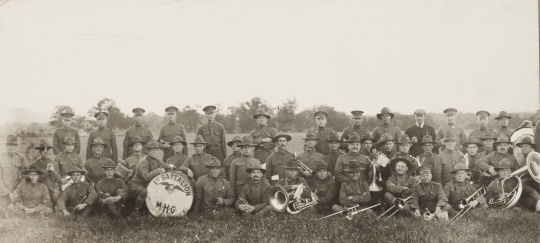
(265, 115)
(43, 147)
(70, 143)
(106, 167)
(495, 143)
(532, 144)
(101, 113)
(12, 143)
(26, 172)
(182, 142)
(365, 139)
(199, 143)
(333, 140)
(310, 138)
(104, 145)
(423, 167)
(422, 143)
(404, 142)
(244, 145)
(261, 169)
(500, 168)
(274, 139)
(467, 144)
(353, 170)
(230, 143)
(294, 168)
(141, 142)
(379, 115)
(454, 171)
(501, 117)
(82, 172)
(396, 160)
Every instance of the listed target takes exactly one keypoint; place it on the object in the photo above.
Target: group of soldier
(423, 165)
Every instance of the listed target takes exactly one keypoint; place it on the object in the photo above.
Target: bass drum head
(170, 195)
(516, 137)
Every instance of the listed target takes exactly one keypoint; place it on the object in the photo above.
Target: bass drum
(518, 135)
(170, 194)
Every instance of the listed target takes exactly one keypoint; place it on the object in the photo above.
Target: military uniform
(134, 159)
(444, 163)
(399, 186)
(275, 163)
(326, 190)
(228, 161)
(343, 163)
(427, 196)
(33, 196)
(256, 195)
(209, 189)
(214, 135)
(197, 164)
(419, 131)
(331, 159)
(456, 191)
(166, 134)
(529, 196)
(503, 130)
(114, 187)
(287, 184)
(60, 134)
(411, 159)
(349, 130)
(94, 167)
(76, 194)
(67, 160)
(311, 159)
(108, 137)
(178, 159)
(49, 179)
(10, 175)
(358, 189)
(261, 132)
(458, 130)
(493, 160)
(137, 130)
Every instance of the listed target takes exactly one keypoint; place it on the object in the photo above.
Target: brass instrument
(428, 216)
(374, 187)
(465, 158)
(509, 199)
(340, 212)
(352, 212)
(281, 200)
(399, 203)
(464, 203)
(305, 167)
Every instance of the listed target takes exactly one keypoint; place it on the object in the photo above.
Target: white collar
(421, 125)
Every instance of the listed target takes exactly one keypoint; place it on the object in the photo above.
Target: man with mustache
(488, 163)
(253, 197)
(276, 161)
(354, 155)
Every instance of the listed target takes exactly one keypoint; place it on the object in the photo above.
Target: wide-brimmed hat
(76, 169)
(171, 108)
(344, 146)
(322, 166)
(33, 168)
(472, 140)
(386, 138)
(488, 135)
(320, 113)
(43, 144)
(334, 137)
(367, 136)
(135, 140)
(99, 141)
(292, 164)
(214, 163)
(427, 139)
(458, 167)
(385, 110)
(11, 140)
(450, 110)
(138, 110)
(67, 114)
(449, 136)
(281, 135)
(420, 111)
(178, 139)
(199, 140)
(354, 137)
(209, 108)
(236, 139)
(404, 139)
(109, 164)
(311, 135)
(354, 165)
(69, 140)
(152, 144)
(503, 164)
(394, 161)
(502, 139)
(101, 114)
(261, 112)
(255, 166)
(503, 114)
(357, 113)
(526, 140)
(247, 141)
(482, 113)
(424, 168)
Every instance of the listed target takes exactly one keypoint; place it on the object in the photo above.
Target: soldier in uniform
(447, 159)
(253, 198)
(353, 155)
(178, 145)
(427, 158)
(111, 192)
(262, 136)
(147, 169)
(107, 136)
(67, 159)
(386, 127)
(234, 144)
(213, 191)
(31, 197)
(488, 163)
(483, 120)
(503, 124)
(195, 166)
(213, 134)
(137, 130)
(368, 148)
(354, 191)
(400, 184)
(459, 189)
(356, 127)
(51, 173)
(418, 131)
(95, 164)
(343, 148)
(310, 157)
(169, 131)
(137, 145)
(488, 138)
(292, 181)
(331, 158)
(61, 133)
(404, 144)
(387, 142)
(327, 189)
(472, 154)
(451, 125)
(78, 198)
(11, 165)
(322, 133)
(238, 174)
(526, 146)
(276, 161)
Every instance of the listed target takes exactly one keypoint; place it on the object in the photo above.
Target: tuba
(281, 200)
(509, 199)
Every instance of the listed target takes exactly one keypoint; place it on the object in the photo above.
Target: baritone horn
(281, 200)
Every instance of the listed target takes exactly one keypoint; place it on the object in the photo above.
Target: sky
(471, 55)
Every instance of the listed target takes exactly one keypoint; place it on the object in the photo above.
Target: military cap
(354, 165)
(101, 114)
(247, 141)
(472, 140)
(43, 144)
(503, 164)
(320, 113)
(171, 108)
(209, 108)
(458, 167)
(482, 113)
(152, 144)
(386, 138)
(69, 140)
(450, 110)
(76, 169)
(394, 161)
(99, 141)
(344, 146)
(199, 140)
(385, 110)
(503, 114)
(424, 168)
(214, 163)
(137, 139)
(354, 137)
(488, 135)
(322, 166)
(502, 139)
(526, 140)
(255, 166)
(404, 139)
(178, 139)
(67, 114)
(138, 111)
(11, 140)
(292, 164)
(427, 139)
(357, 113)
(420, 111)
(33, 168)
(367, 136)
(334, 137)
(236, 139)
(261, 112)
(109, 164)
(281, 135)
(449, 136)
(311, 135)
(526, 123)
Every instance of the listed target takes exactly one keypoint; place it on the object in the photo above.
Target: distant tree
(190, 118)
(117, 120)
(80, 122)
(153, 121)
(55, 119)
(285, 119)
(244, 111)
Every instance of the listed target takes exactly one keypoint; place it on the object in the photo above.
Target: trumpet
(464, 203)
(351, 213)
(399, 203)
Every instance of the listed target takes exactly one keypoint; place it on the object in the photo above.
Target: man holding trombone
(400, 183)
(461, 194)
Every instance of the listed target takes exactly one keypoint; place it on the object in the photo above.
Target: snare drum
(170, 195)
(122, 171)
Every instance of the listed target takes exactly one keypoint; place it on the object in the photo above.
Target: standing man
(356, 127)
(137, 130)
(483, 120)
(354, 154)
(95, 165)
(450, 125)
(235, 147)
(213, 134)
(386, 127)
(418, 131)
(310, 157)
(323, 133)
(11, 166)
(170, 130)
(106, 135)
(262, 136)
(276, 161)
(61, 133)
(503, 123)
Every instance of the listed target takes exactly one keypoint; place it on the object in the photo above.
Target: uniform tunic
(60, 134)
(66, 161)
(275, 163)
(358, 189)
(114, 187)
(327, 192)
(493, 159)
(197, 164)
(208, 190)
(108, 137)
(486, 152)
(261, 132)
(166, 134)
(94, 171)
(472, 161)
(177, 159)
(10, 175)
(134, 159)
(214, 135)
(140, 131)
(256, 195)
(444, 163)
(146, 170)
(455, 191)
(428, 195)
(311, 159)
(228, 161)
(479, 133)
(357, 129)
(75, 194)
(505, 131)
(323, 134)
(387, 171)
(343, 163)
(427, 159)
(458, 130)
(419, 132)
(331, 159)
(379, 131)
(47, 178)
(238, 175)
(396, 184)
(287, 184)
(33, 195)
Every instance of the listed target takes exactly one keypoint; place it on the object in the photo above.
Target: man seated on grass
(78, 198)
(253, 197)
(327, 189)
(427, 158)
(530, 199)
(31, 197)
(213, 192)
(400, 183)
(355, 191)
(292, 181)
(112, 192)
(459, 189)
(427, 196)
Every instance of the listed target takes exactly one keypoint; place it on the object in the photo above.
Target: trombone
(464, 203)
(355, 210)
(305, 167)
(399, 203)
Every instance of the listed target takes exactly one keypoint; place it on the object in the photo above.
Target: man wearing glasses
(170, 130)
(138, 130)
(106, 134)
(356, 127)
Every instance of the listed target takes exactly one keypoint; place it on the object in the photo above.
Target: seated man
(403, 146)
(195, 166)
(488, 163)
(311, 157)
(238, 176)
(234, 144)
(95, 164)
(326, 188)
(527, 146)
(178, 158)
(112, 192)
(343, 149)
(213, 191)
(31, 197)
(530, 199)
(51, 175)
(253, 197)
(136, 145)
(427, 196)
(354, 191)
(355, 145)
(333, 153)
(427, 158)
(369, 147)
(77, 198)
(487, 139)
(68, 159)
(292, 181)
(459, 189)
(387, 143)
(473, 175)
(400, 183)
(447, 159)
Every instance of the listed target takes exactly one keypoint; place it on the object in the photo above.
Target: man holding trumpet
(310, 158)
